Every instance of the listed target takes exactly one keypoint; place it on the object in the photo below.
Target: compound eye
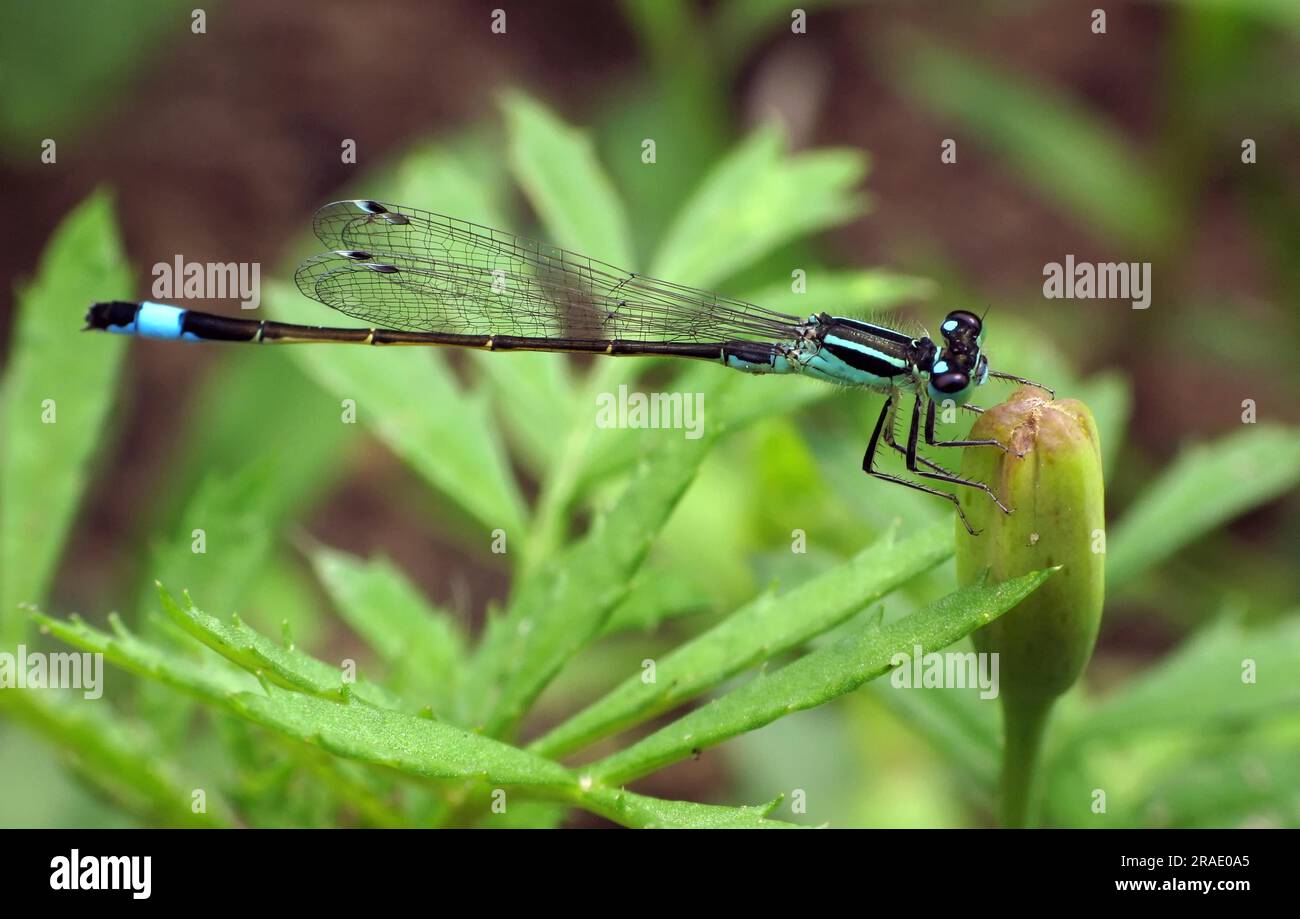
(950, 383)
(960, 321)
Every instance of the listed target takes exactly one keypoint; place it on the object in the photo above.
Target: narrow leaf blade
(1204, 488)
(639, 811)
(759, 631)
(557, 167)
(1071, 155)
(1202, 684)
(410, 400)
(419, 642)
(755, 200)
(818, 677)
(407, 743)
(556, 612)
(288, 667)
(56, 396)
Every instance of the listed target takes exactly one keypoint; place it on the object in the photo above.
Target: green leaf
(410, 400)
(237, 517)
(655, 597)
(635, 810)
(99, 49)
(1251, 785)
(120, 759)
(232, 513)
(420, 643)
(615, 450)
(845, 293)
(456, 179)
(556, 166)
(300, 442)
(755, 200)
(957, 724)
(418, 746)
(533, 392)
(212, 681)
(690, 130)
(1202, 685)
(759, 631)
(558, 610)
(54, 399)
(1282, 13)
(580, 209)
(1069, 154)
(1110, 396)
(288, 667)
(466, 180)
(1203, 489)
(412, 744)
(346, 789)
(560, 490)
(408, 743)
(524, 815)
(864, 654)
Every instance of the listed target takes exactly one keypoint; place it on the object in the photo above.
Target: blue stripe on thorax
(854, 363)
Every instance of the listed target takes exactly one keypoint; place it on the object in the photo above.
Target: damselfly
(424, 279)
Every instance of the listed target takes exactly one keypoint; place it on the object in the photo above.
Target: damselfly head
(960, 367)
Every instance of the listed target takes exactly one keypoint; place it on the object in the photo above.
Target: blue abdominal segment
(155, 320)
(148, 320)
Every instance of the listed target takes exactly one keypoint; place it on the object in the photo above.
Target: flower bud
(1051, 479)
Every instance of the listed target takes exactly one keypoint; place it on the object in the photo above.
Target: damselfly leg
(930, 441)
(999, 375)
(947, 476)
(890, 433)
(869, 464)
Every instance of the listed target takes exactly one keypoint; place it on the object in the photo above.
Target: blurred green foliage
(627, 545)
(72, 59)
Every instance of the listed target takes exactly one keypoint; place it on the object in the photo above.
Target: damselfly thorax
(419, 278)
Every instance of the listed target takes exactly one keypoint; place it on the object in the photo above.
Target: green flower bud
(1052, 481)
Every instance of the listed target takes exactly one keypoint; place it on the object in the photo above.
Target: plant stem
(1025, 722)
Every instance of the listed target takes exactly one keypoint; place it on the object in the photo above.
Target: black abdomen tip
(110, 313)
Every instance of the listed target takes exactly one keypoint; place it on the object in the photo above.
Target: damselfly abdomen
(424, 279)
